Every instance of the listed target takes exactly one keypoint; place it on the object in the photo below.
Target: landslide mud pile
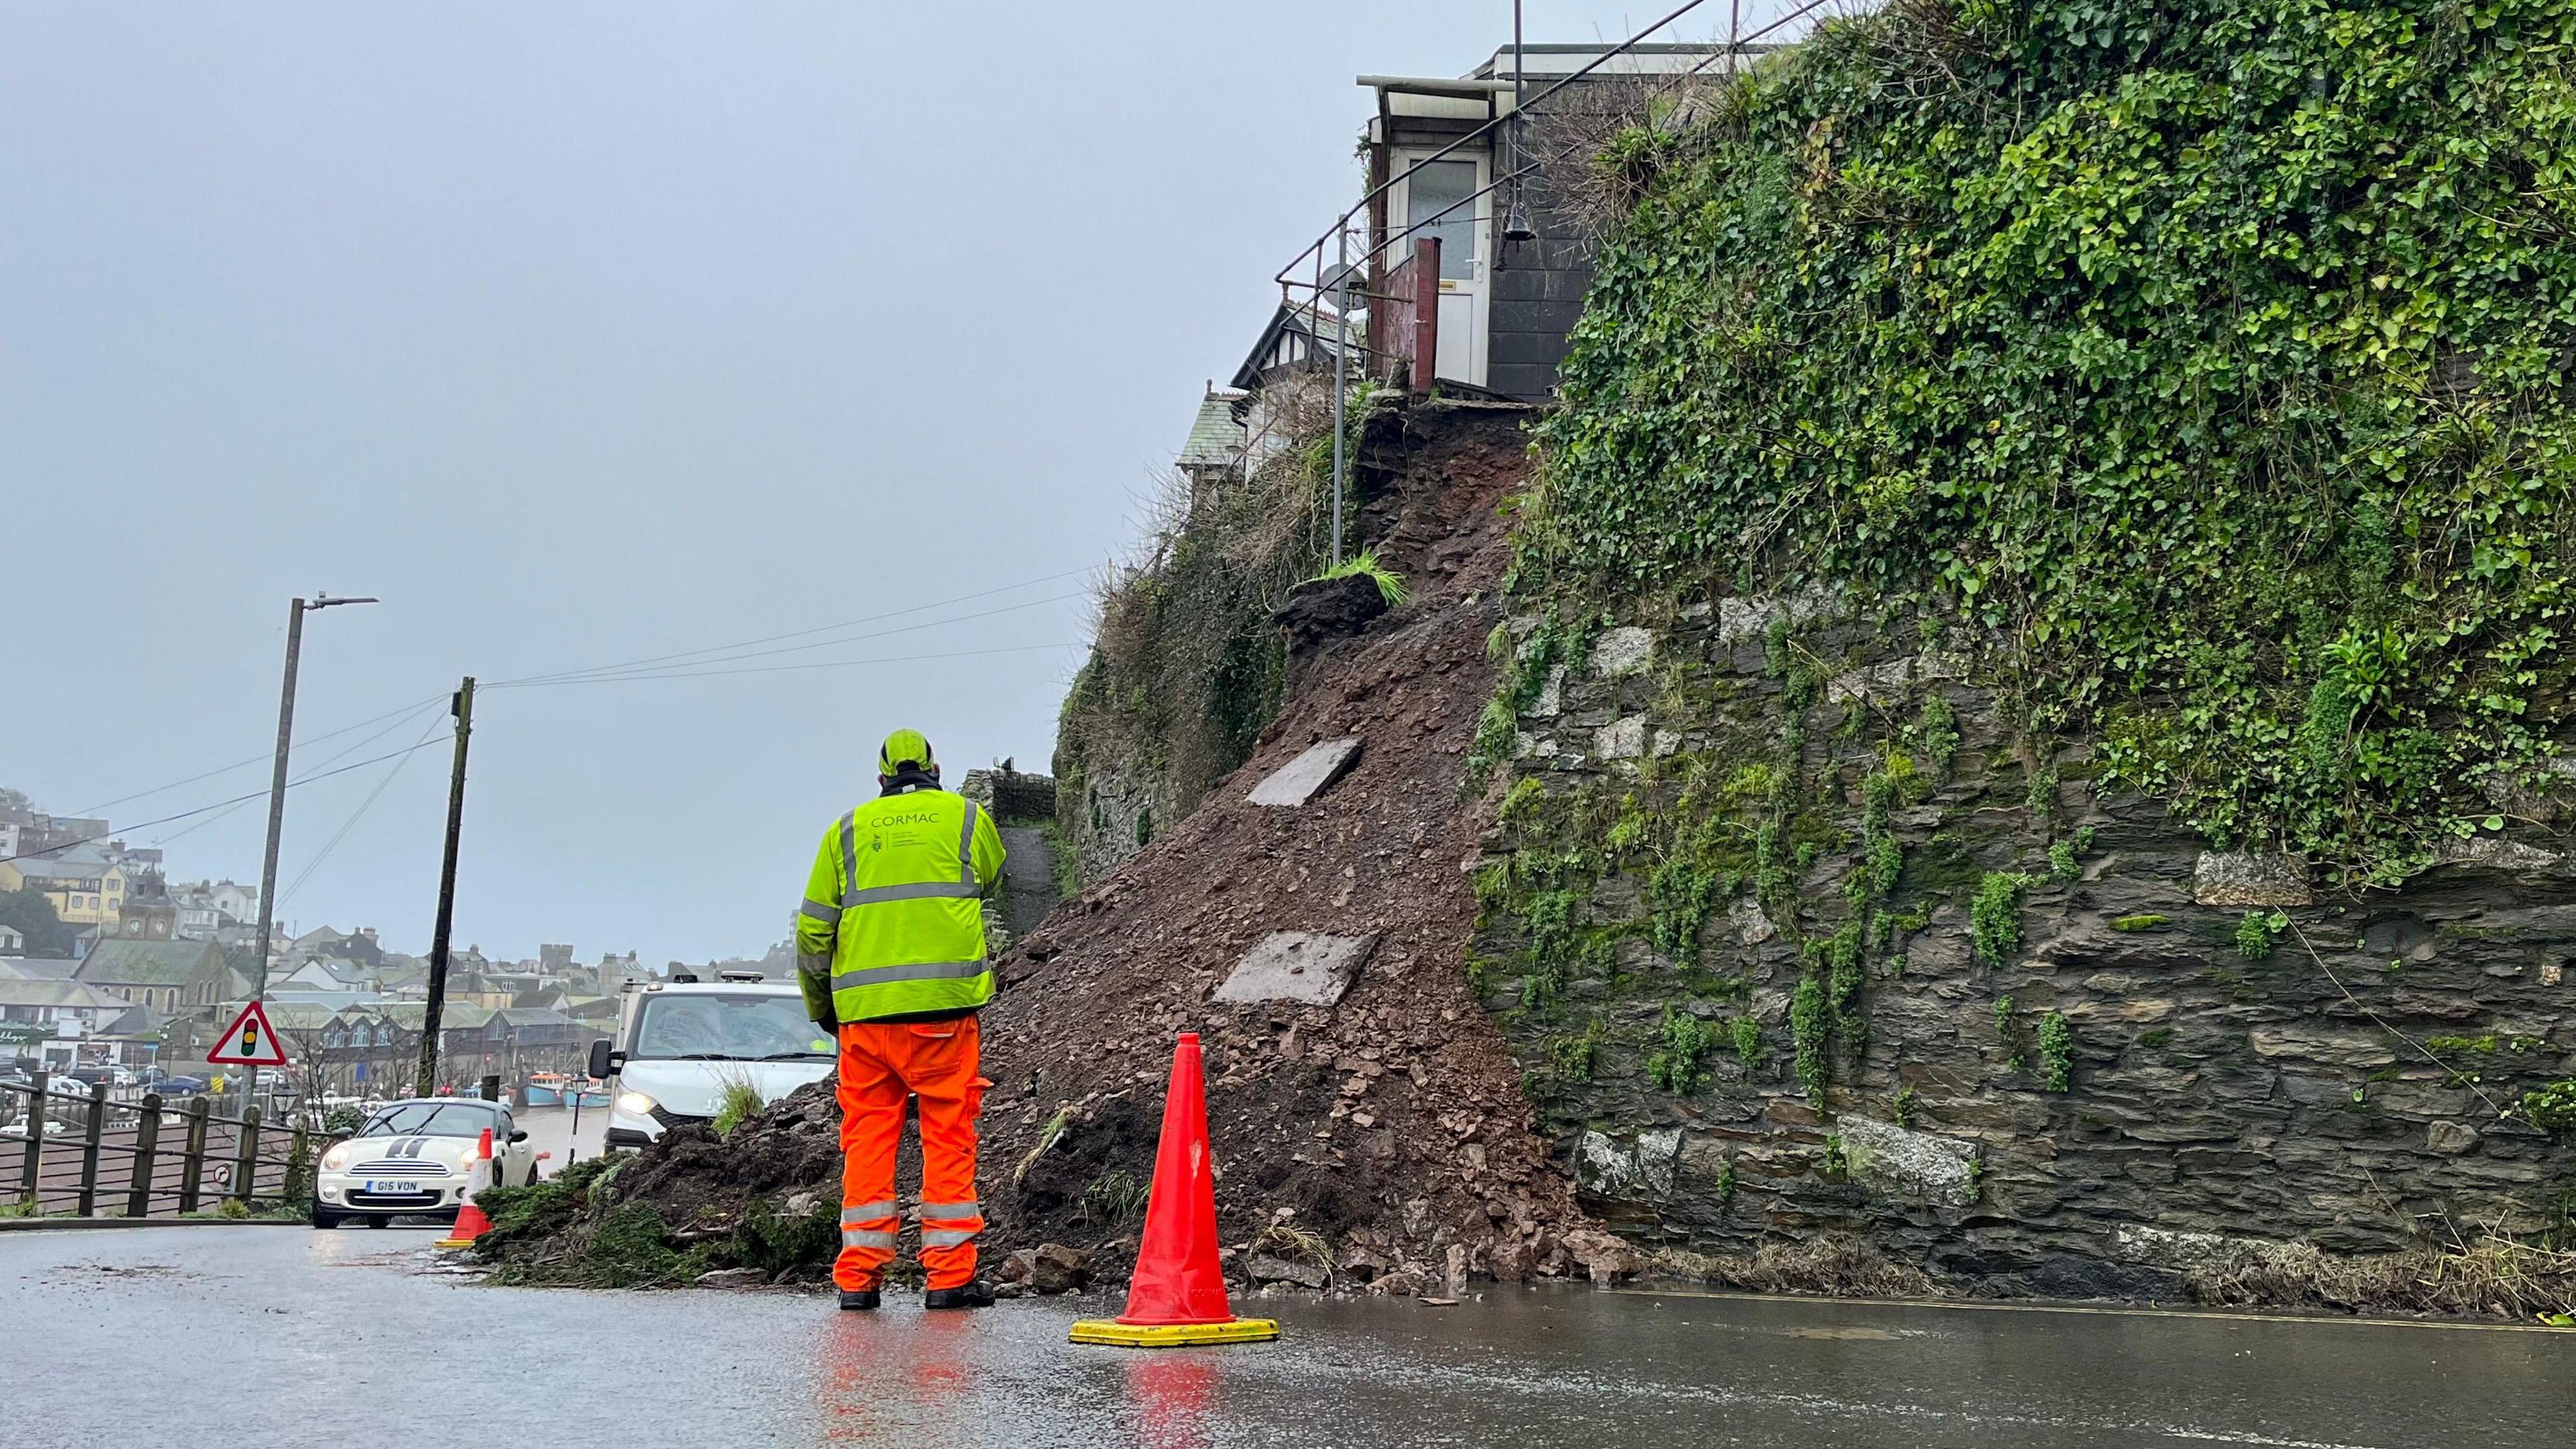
(1383, 1140)
(1388, 1132)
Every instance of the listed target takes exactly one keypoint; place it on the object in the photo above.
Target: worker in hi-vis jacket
(890, 952)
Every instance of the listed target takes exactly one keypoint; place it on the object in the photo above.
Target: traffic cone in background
(470, 1221)
(1177, 1294)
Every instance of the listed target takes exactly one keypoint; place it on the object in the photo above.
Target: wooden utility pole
(462, 706)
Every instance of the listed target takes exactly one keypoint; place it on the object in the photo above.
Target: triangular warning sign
(249, 1042)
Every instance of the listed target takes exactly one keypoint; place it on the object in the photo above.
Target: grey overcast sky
(588, 332)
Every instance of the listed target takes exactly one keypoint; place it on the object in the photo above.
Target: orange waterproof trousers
(934, 1062)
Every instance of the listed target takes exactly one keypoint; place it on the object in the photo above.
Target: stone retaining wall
(2345, 1090)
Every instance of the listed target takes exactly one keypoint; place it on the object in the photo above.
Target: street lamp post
(277, 801)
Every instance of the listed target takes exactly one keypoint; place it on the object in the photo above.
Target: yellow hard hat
(904, 747)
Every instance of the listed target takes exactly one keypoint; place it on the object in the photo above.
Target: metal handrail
(1316, 247)
(1342, 224)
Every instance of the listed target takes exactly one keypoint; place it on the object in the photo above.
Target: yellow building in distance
(86, 891)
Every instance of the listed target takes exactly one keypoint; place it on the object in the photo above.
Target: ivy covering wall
(2213, 355)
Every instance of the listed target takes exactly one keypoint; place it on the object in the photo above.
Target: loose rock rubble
(1383, 1142)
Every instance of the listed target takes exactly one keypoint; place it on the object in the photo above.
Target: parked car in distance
(419, 1155)
(178, 1086)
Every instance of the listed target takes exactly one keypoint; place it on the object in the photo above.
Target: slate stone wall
(1023, 805)
(2344, 1091)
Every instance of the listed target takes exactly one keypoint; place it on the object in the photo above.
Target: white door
(1443, 189)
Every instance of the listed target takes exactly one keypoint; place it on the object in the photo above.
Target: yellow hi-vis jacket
(893, 919)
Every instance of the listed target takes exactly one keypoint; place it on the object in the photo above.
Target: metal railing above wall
(1387, 254)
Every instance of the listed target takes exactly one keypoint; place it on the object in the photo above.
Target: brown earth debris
(1383, 1141)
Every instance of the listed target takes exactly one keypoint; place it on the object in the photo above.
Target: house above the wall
(1495, 186)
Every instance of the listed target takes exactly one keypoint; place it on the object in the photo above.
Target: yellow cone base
(1173, 1335)
(453, 1243)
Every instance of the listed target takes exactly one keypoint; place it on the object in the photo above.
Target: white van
(679, 1043)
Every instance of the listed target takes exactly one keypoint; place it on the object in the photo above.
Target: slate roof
(75, 868)
(1216, 439)
(59, 993)
(298, 1015)
(119, 961)
(452, 1016)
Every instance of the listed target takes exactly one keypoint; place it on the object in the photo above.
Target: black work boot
(975, 1294)
(858, 1299)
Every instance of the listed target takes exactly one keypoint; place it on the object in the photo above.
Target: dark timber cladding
(1538, 293)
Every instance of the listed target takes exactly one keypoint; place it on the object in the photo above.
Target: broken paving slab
(1299, 966)
(1308, 775)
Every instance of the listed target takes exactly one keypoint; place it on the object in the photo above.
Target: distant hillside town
(107, 966)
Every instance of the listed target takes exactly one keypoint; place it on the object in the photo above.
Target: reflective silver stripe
(813, 965)
(926, 971)
(952, 1211)
(867, 1212)
(813, 910)
(866, 1238)
(921, 891)
(849, 850)
(966, 850)
(947, 1237)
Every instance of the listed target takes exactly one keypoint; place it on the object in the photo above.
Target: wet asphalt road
(285, 1337)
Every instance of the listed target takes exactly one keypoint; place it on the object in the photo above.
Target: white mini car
(419, 1156)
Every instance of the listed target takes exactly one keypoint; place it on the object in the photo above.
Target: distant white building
(208, 909)
(51, 1020)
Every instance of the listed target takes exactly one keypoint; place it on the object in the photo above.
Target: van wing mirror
(603, 1059)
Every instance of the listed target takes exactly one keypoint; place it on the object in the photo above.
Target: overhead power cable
(661, 672)
(264, 756)
(696, 655)
(185, 831)
(712, 654)
(821, 664)
(413, 714)
(356, 815)
(218, 805)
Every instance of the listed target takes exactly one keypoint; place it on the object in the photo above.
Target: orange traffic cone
(470, 1221)
(1177, 1294)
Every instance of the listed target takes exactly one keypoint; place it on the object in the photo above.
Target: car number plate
(395, 1185)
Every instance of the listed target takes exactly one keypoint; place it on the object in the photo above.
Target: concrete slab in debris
(1297, 966)
(1308, 775)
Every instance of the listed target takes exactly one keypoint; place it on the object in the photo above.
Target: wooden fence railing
(91, 1154)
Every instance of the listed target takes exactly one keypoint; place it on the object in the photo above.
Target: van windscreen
(720, 1027)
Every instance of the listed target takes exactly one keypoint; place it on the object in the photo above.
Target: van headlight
(336, 1158)
(635, 1104)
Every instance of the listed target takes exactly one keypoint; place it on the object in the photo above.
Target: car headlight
(635, 1104)
(336, 1158)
